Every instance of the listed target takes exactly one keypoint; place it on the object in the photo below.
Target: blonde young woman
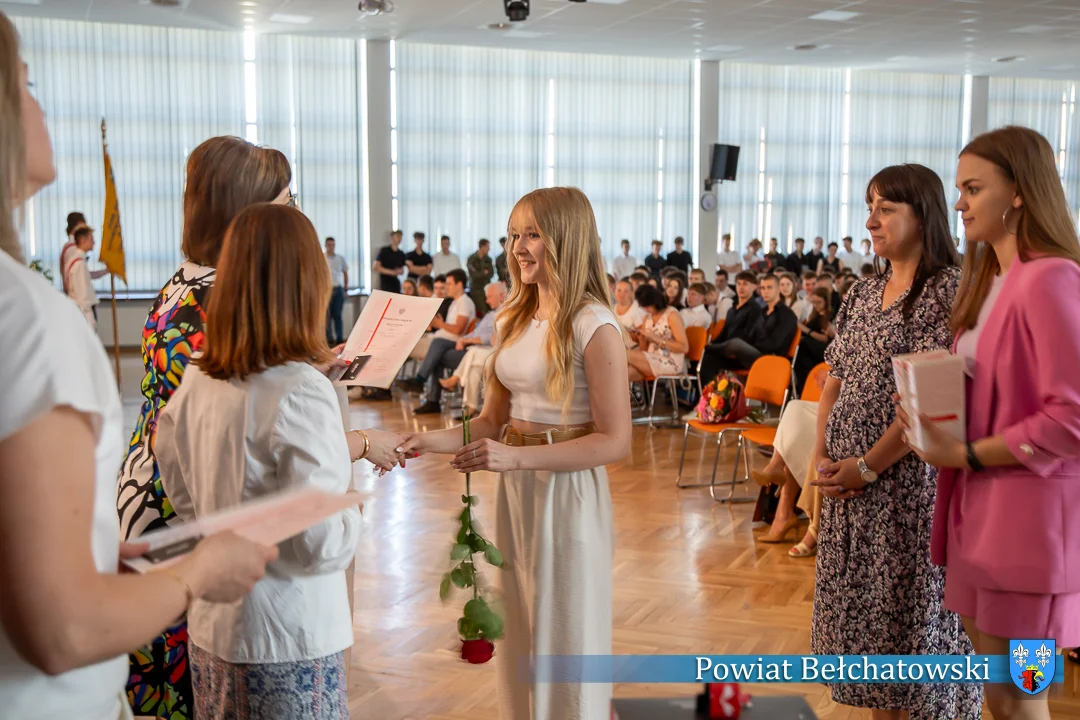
(558, 376)
(67, 619)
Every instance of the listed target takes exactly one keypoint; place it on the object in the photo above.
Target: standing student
(389, 263)
(339, 279)
(79, 278)
(67, 617)
(877, 592)
(559, 376)
(74, 221)
(1017, 324)
(256, 414)
(418, 261)
(654, 261)
(680, 258)
(444, 260)
(622, 266)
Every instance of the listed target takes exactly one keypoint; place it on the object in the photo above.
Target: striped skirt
(305, 690)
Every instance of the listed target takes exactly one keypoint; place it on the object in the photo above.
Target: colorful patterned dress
(160, 681)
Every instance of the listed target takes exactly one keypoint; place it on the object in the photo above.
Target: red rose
(477, 651)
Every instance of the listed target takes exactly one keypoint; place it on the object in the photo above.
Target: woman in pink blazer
(1005, 498)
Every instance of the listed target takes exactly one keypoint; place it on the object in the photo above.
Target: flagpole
(115, 330)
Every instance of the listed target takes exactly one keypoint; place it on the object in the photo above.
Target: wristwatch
(868, 475)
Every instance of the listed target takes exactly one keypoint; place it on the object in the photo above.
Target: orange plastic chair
(696, 338)
(716, 329)
(769, 382)
(811, 393)
(470, 327)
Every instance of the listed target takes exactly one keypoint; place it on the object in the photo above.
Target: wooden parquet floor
(689, 579)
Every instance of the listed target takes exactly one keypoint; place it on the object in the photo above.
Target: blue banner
(779, 669)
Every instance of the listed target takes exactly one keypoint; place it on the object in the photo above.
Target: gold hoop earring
(1005, 223)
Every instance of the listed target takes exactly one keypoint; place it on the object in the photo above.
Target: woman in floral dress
(877, 592)
(224, 175)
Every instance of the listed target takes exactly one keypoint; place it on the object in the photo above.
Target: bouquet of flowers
(479, 623)
(723, 400)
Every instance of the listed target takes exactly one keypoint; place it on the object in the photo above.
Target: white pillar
(708, 122)
(377, 150)
(980, 105)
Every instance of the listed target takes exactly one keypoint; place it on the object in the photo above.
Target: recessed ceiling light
(1032, 29)
(1009, 59)
(248, 11)
(248, 3)
(805, 47)
(499, 26)
(834, 15)
(291, 19)
(725, 48)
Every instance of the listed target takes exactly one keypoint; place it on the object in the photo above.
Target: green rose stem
(467, 430)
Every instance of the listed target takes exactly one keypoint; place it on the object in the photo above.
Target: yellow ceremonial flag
(111, 253)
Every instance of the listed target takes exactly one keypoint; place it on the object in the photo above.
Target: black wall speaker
(725, 161)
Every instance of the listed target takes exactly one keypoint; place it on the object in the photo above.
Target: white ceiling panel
(925, 35)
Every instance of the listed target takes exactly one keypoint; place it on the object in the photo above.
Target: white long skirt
(796, 436)
(557, 535)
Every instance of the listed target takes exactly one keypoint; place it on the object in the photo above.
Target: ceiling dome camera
(516, 10)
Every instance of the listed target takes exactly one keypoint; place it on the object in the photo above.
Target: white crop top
(522, 369)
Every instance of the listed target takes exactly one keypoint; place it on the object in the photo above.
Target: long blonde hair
(1044, 224)
(576, 277)
(12, 139)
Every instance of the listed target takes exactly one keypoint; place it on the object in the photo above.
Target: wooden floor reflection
(689, 579)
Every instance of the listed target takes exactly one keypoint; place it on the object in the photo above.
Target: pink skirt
(1016, 616)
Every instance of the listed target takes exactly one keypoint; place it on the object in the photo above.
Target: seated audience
(697, 275)
(446, 354)
(675, 288)
(637, 279)
(825, 280)
(722, 286)
(661, 335)
(256, 414)
(817, 332)
(695, 314)
(459, 314)
(408, 287)
(867, 270)
(769, 332)
(629, 313)
(716, 304)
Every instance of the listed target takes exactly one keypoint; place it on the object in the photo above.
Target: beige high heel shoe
(791, 524)
(765, 479)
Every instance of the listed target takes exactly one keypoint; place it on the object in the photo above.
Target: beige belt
(516, 438)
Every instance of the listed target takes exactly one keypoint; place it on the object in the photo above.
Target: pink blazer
(1017, 528)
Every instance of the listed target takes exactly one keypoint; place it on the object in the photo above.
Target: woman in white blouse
(559, 376)
(67, 619)
(254, 415)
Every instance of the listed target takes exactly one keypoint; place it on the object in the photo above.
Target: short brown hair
(224, 176)
(269, 301)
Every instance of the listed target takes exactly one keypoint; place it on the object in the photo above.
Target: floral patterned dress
(159, 684)
(877, 592)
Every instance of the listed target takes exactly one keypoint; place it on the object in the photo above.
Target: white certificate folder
(268, 520)
(386, 332)
(932, 384)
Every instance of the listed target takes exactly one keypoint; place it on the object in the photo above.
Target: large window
(478, 128)
(309, 108)
(899, 118)
(1048, 106)
(787, 122)
(162, 91)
